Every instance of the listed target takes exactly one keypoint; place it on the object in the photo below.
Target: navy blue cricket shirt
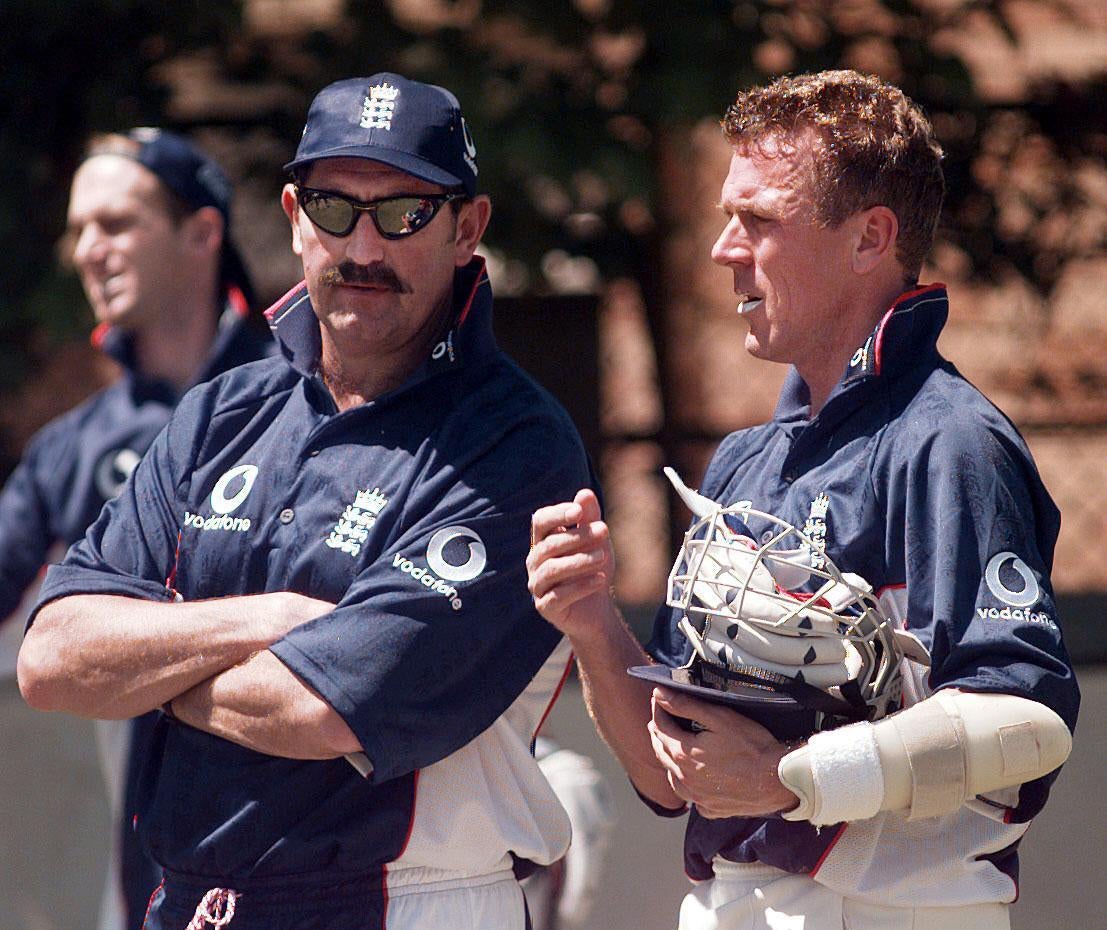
(411, 513)
(911, 478)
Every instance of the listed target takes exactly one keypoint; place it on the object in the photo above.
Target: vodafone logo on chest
(229, 493)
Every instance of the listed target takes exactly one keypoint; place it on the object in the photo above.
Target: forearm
(926, 760)
(620, 705)
(262, 705)
(112, 657)
(570, 567)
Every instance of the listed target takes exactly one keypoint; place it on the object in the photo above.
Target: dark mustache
(375, 275)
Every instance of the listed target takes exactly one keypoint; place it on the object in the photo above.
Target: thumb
(589, 504)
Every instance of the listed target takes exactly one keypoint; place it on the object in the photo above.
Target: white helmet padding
(777, 619)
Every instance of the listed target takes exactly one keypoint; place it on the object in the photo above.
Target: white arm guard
(928, 759)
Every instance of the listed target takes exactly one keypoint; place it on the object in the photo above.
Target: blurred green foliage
(578, 107)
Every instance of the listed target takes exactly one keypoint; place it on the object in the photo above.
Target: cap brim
(409, 164)
(744, 697)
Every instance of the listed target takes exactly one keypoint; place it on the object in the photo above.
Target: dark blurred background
(596, 123)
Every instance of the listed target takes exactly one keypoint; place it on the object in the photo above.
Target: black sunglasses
(395, 217)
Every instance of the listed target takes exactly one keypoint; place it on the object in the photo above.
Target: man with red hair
(867, 579)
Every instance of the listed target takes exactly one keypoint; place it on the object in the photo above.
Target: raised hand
(571, 565)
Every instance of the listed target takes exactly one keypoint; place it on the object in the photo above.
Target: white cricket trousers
(489, 902)
(760, 897)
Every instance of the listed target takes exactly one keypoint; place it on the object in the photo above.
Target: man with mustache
(149, 236)
(936, 631)
(317, 574)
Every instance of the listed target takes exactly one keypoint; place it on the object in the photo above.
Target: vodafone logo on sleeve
(1010, 579)
(454, 554)
(1027, 591)
(446, 564)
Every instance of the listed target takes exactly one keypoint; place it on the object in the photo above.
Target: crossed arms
(112, 657)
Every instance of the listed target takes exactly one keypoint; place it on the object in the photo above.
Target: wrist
(600, 632)
(778, 793)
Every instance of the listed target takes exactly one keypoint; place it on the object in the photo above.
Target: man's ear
(291, 209)
(877, 230)
(472, 221)
(204, 230)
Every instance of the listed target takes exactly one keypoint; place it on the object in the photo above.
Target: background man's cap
(409, 125)
(183, 168)
(199, 182)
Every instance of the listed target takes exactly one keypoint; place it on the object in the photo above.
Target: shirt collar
(467, 338)
(905, 337)
(118, 345)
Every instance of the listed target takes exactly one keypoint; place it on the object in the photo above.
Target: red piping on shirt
(890, 587)
(150, 904)
(237, 300)
(172, 579)
(826, 852)
(921, 289)
(481, 278)
(556, 695)
(279, 302)
(926, 288)
(99, 334)
(403, 849)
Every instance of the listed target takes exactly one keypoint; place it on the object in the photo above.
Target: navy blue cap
(183, 168)
(409, 125)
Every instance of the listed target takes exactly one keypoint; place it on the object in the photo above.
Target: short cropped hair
(873, 147)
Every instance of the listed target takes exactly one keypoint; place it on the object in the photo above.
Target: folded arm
(112, 657)
(262, 705)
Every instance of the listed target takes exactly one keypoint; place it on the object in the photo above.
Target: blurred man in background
(562, 895)
(148, 232)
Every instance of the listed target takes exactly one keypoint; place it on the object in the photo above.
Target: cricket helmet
(777, 630)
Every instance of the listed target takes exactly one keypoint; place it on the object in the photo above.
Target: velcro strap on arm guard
(934, 744)
(837, 776)
(927, 760)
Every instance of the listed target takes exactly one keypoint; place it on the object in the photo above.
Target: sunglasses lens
(401, 216)
(330, 213)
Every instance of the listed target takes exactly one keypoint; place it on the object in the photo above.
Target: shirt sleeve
(25, 531)
(978, 547)
(436, 638)
(131, 548)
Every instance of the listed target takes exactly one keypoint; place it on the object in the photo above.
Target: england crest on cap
(415, 127)
(380, 104)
